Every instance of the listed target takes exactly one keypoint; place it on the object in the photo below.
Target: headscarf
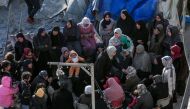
(64, 49)
(114, 91)
(177, 52)
(131, 72)
(141, 88)
(157, 79)
(85, 21)
(110, 50)
(140, 49)
(26, 51)
(118, 30)
(105, 23)
(167, 61)
(40, 31)
(88, 90)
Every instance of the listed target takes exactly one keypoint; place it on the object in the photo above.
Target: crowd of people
(138, 65)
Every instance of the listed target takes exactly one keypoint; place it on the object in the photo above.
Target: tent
(4, 3)
(137, 9)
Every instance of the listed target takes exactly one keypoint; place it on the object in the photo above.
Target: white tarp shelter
(4, 3)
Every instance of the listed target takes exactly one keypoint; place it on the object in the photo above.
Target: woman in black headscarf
(42, 48)
(126, 23)
(140, 34)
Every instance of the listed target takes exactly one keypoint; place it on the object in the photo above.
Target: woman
(42, 47)
(140, 34)
(157, 40)
(72, 36)
(106, 27)
(114, 94)
(126, 23)
(121, 41)
(144, 99)
(62, 98)
(87, 33)
(159, 92)
(169, 76)
(86, 97)
(142, 62)
(57, 41)
(20, 44)
(172, 37)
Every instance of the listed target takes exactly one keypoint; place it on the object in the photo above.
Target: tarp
(4, 3)
(170, 11)
(138, 9)
(76, 10)
(51, 8)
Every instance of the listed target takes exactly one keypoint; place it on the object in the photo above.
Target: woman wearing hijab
(106, 27)
(42, 47)
(169, 76)
(86, 97)
(140, 34)
(126, 23)
(57, 41)
(103, 64)
(87, 33)
(131, 79)
(157, 40)
(144, 99)
(114, 94)
(72, 36)
(172, 37)
(142, 62)
(159, 92)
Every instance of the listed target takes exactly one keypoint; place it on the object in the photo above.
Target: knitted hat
(88, 89)
(43, 73)
(40, 93)
(27, 51)
(118, 30)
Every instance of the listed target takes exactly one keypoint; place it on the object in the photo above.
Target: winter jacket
(71, 34)
(39, 43)
(6, 92)
(37, 79)
(25, 93)
(168, 74)
(102, 65)
(85, 99)
(144, 101)
(19, 48)
(62, 99)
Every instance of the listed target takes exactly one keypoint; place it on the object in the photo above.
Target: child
(24, 89)
(28, 55)
(65, 54)
(7, 92)
(74, 58)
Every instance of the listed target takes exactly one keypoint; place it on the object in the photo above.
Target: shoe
(30, 20)
(70, 76)
(76, 76)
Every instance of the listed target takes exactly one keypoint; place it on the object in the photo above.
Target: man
(33, 7)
